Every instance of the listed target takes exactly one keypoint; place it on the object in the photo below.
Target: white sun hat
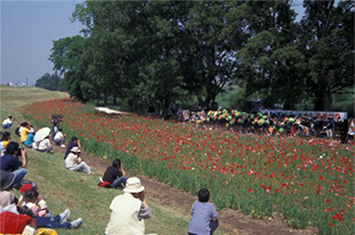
(133, 185)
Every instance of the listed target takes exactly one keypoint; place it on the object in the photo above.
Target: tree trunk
(323, 98)
(105, 98)
(289, 105)
(327, 97)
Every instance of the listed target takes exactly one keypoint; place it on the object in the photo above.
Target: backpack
(17, 131)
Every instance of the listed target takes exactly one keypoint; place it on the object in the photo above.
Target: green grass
(78, 191)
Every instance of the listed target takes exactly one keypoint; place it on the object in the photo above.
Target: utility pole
(26, 81)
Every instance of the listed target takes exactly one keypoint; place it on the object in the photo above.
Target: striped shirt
(202, 213)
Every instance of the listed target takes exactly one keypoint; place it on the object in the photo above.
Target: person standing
(7, 122)
(10, 162)
(129, 210)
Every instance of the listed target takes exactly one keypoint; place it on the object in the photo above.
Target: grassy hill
(78, 191)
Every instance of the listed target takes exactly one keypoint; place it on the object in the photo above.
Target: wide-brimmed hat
(133, 185)
(7, 179)
(75, 150)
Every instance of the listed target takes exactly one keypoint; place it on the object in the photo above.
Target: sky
(28, 29)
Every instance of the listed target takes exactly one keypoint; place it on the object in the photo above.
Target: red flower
(331, 224)
(338, 217)
(250, 190)
(327, 200)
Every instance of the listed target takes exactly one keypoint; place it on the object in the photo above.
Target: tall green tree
(66, 57)
(271, 60)
(328, 44)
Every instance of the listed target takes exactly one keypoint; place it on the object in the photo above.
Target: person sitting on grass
(26, 129)
(204, 215)
(75, 142)
(59, 138)
(45, 145)
(10, 162)
(74, 162)
(29, 139)
(7, 198)
(40, 203)
(115, 175)
(4, 141)
(129, 210)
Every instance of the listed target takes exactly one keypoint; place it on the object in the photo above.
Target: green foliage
(50, 82)
(169, 51)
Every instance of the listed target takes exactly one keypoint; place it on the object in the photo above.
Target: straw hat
(7, 179)
(133, 185)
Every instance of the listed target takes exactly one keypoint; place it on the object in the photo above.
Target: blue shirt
(9, 163)
(202, 213)
(70, 146)
(29, 139)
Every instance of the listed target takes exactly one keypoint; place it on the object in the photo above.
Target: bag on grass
(104, 184)
(11, 223)
(17, 131)
(46, 231)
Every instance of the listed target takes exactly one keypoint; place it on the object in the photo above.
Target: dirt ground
(231, 221)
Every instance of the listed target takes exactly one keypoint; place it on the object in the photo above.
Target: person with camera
(10, 162)
(129, 210)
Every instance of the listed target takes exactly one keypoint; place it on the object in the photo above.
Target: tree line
(165, 51)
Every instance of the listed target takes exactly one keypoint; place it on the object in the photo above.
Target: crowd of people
(13, 167)
(273, 124)
(128, 211)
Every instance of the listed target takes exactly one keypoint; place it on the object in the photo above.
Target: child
(115, 175)
(43, 219)
(204, 215)
(41, 203)
(59, 138)
(36, 203)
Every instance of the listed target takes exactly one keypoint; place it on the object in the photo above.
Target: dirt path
(231, 221)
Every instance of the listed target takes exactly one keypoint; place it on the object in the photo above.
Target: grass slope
(78, 191)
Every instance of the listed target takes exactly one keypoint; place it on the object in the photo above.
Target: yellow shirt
(5, 143)
(24, 134)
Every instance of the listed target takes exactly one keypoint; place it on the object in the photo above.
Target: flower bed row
(308, 183)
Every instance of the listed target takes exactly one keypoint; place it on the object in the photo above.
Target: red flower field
(308, 183)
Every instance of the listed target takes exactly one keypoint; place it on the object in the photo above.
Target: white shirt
(124, 216)
(7, 121)
(72, 160)
(44, 144)
(58, 136)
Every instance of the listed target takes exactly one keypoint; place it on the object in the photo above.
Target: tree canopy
(164, 51)
(50, 82)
